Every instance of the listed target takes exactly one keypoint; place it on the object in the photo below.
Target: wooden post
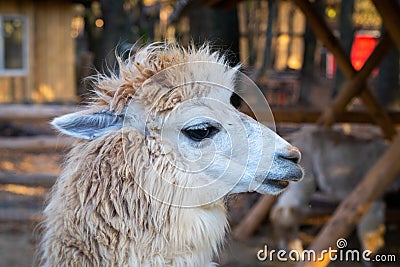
(254, 218)
(355, 86)
(358, 80)
(358, 202)
(323, 32)
(390, 11)
(307, 115)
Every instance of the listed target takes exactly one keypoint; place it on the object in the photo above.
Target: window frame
(25, 40)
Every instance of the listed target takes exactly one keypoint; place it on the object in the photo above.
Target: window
(13, 45)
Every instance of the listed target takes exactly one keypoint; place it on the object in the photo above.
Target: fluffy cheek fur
(100, 214)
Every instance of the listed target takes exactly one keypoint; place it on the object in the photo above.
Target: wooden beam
(389, 10)
(32, 179)
(311, 115)
(19, 215)
(322, 31)
(32, 113)
(351, 210)
(36, 143)
(254, 218)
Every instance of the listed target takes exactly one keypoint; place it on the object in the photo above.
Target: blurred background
(49, 47)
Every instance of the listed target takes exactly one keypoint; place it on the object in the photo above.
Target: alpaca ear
(88, 125)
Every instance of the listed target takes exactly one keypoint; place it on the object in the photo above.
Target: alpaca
(334, 163)
(156, 153)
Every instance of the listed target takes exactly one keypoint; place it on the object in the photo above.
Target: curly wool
(169, 62)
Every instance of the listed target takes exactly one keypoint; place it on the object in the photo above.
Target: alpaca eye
(200, 133)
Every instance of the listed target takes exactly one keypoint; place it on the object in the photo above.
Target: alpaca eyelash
(198, 126)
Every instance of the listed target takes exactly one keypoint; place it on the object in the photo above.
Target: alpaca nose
(291, 153)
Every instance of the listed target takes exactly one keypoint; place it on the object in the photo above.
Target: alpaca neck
(183, 237)
(118, 223)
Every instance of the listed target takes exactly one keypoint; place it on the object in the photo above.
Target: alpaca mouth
(278, 184)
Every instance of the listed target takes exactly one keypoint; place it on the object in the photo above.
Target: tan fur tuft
(117, 91)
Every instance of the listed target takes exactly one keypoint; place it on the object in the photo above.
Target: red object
(330, 66)
(362, 48)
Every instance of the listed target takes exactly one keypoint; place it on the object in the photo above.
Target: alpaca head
(179, 102)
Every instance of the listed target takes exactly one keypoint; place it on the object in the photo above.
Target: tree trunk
(94, 39)
(271, 18)
(116, 29)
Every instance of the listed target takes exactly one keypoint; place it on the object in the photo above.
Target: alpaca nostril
(292, 154)
(291, 158)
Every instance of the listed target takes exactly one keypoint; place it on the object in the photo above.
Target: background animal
(334, 164)
(158, 149)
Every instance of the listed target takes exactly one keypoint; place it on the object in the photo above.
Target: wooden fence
(17, 211)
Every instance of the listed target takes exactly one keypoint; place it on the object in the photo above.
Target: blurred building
(48, 46)
(36, 51)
